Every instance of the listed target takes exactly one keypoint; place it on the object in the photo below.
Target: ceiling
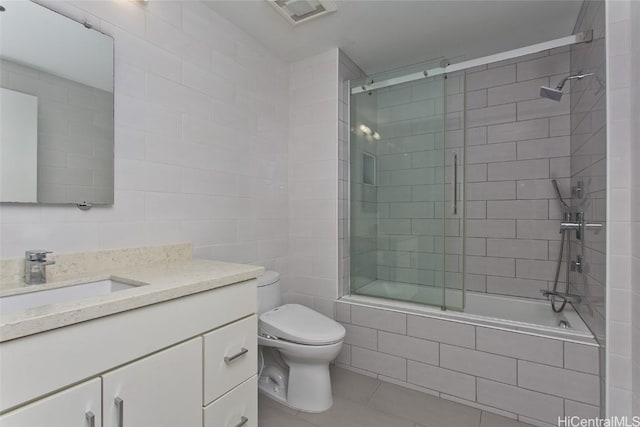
(386, 34)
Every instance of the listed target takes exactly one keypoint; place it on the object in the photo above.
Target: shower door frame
(346, 287)
(582, 37)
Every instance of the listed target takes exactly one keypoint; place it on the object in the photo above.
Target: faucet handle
(36, 255)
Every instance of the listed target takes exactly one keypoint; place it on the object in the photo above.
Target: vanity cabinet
(163, 389)
(184, 362)
(78, 406)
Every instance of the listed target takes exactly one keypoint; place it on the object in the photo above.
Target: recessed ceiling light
(298, 11)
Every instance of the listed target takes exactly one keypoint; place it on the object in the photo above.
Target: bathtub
(524, 315)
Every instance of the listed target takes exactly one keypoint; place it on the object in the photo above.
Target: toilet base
(269, 389)
(305, 383)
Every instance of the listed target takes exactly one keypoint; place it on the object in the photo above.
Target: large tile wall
(516, 142)
(313, 177)
(69, 169)
(620, 196)
(634, 37)
(589, 168)
(201, 141)
(532, 378)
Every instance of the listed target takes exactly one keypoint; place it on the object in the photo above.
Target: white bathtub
(502, 312)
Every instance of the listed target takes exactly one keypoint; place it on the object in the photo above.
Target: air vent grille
(298, 11)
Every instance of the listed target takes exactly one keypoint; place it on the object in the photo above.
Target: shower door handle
(455, 183)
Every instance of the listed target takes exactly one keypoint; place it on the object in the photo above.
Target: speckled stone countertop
(153, 283)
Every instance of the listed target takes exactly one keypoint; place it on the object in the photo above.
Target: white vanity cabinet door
(72, 407)
(161, 390)
(237, 408)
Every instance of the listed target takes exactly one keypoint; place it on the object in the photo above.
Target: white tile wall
(622, 342)
(201, 120)
(535, 379)
(634, 37)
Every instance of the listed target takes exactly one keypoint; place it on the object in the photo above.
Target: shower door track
(583, 37)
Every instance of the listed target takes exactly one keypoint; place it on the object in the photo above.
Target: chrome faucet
(579, 225)
(35, 263)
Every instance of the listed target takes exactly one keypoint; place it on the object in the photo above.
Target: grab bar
(455, 183)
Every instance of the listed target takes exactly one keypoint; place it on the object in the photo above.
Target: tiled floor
(360, 401)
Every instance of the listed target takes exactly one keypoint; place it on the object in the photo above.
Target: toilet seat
(299, 324)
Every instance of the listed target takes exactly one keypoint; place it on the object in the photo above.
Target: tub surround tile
(379, 319)
(519, 346)
(480, 364)
(577, 386)
(408, 347)
(441, 331)
(373, 361)
(581, 358)
(581, 410)
(456, 360)
(520, 401)
(360, 336)
(443, 380)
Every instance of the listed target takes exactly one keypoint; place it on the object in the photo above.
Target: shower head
(556, 94)
(558, 194)
(550, 93)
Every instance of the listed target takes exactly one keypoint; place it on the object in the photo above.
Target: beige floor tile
(424, 409)
(493, 420)
(353, 386)
(346, 413)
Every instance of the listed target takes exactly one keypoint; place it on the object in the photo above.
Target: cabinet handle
(242, 422)
(230, 359)
(455, 183)
(91, 418)
(120, 408)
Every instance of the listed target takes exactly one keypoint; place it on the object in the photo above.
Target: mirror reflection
(56, 108)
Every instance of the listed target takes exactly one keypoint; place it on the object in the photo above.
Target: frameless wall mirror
(56, 108)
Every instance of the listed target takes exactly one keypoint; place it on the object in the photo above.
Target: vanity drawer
(239, 407)
(230, 357)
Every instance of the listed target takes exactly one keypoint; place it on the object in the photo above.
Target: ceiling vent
(299, 11)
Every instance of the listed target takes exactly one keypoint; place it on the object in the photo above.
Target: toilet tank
(269, 291)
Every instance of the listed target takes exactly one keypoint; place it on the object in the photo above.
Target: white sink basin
(16, 303)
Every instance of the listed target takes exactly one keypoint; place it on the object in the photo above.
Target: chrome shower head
(549, 93)
(556, 94)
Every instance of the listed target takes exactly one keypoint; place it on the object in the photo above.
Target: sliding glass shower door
(406, 149)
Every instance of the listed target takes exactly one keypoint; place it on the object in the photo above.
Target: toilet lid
(297, 323)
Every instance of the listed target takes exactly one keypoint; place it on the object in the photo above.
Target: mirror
(56, 108)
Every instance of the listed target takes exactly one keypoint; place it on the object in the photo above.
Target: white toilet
(297, 345)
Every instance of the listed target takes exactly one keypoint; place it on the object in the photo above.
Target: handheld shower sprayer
(558, 194)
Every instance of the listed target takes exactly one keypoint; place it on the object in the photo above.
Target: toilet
(296, 346)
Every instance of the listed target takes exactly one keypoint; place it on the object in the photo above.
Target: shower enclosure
(410, 133)
(406, 180)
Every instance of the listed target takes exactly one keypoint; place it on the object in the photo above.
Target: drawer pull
(230, 359)
(91, 419)
(242, 422)
(120, 407)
